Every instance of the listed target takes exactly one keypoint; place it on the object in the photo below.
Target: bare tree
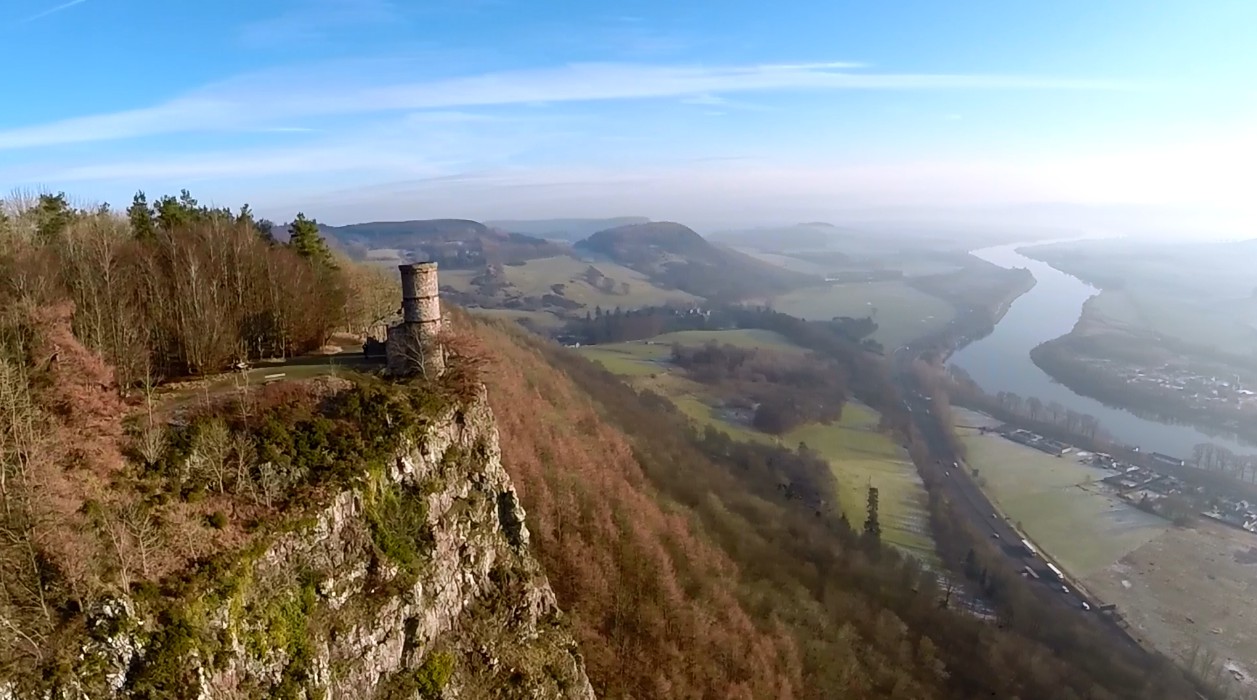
(143, 531)
(24, 607)
(211, 451)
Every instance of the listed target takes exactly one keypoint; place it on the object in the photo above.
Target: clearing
(902, 313)
(1057, 501)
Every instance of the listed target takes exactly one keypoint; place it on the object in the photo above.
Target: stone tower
(413, 345)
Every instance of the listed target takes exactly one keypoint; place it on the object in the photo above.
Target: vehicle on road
(995, 535)
(1064, 589)
(1086, 605)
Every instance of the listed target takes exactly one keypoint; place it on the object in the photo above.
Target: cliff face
(415, 583)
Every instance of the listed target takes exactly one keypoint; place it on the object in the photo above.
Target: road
(966, 497)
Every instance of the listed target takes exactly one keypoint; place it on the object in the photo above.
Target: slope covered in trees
(841, 616)
(692, 565)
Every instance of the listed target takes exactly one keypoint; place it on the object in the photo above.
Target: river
(1001, 361)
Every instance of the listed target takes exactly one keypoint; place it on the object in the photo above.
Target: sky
(706, 112)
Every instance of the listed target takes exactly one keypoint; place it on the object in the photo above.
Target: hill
(571, 230)
(353, 535)
(674, 256)
(454, 243)
(808, 236)
(804, 607)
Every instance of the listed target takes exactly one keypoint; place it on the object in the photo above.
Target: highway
(967, 498)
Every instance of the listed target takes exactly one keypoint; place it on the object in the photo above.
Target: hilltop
(570, 230)
(454, 243)
(675, 256)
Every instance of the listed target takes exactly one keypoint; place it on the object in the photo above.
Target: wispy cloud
(258, 101)
(52, 10)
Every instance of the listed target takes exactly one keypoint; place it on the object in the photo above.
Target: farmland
(1058, 502)
(858, 454)
(902, 313)
(1188, 592)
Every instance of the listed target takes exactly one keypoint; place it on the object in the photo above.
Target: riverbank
(1110, 381)
(1157, 378)
(999, 360)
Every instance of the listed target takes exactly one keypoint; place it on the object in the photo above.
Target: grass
(901, 312)
(743, 338)
(1059, 503)
(1227, 327)
(858, 455)
(639, 358)
(536, 277)
(861, 457)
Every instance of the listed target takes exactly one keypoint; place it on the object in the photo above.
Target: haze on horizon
(488, 109)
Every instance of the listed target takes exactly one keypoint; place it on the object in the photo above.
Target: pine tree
(305, 239)
(54, 215)
(871, 524)
(143, 225)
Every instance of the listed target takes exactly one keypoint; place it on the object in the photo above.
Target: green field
(1227, 326)
(861, 457)
(1059, 503)
(858, 454)
(536, 277)
(901, 312)
(742, 338)
(638, 358)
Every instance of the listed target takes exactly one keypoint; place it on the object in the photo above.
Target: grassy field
(858, 455)
(901, 312)
(639, 358)
(1189, 588)
(536, 277)
(742, 338)
(1229, 327)
(1058, 502)
(861, 457)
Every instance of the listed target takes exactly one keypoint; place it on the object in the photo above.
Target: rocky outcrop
(416, 582)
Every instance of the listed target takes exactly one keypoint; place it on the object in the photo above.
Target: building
(413, 344)
(1166, 460)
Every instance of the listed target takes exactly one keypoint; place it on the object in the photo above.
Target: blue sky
(710, 111)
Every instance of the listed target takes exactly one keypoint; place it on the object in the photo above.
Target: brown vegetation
(866, 622)
(653, 605)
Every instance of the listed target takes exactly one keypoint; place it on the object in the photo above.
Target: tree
(143, 225)
(1034, 407)
(305, 239)
(871, 525)
(53, 214)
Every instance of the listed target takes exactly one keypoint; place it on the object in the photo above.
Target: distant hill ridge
(571, 230)
(674, 255)
(457, 243)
